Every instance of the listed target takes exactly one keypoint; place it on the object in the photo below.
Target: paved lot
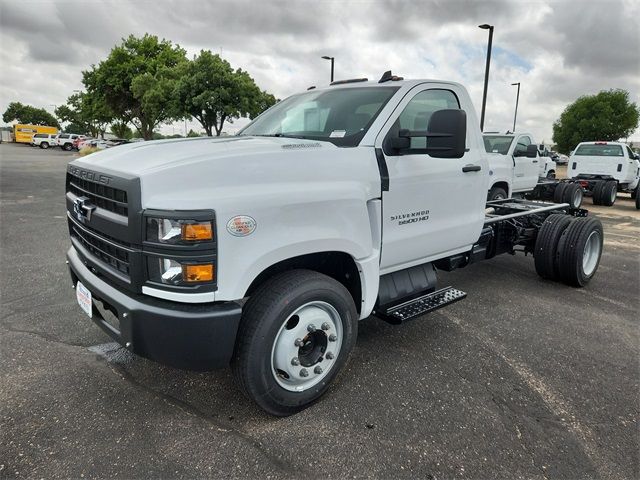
(524, 379)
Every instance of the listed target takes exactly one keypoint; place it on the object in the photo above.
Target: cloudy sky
(558, 50)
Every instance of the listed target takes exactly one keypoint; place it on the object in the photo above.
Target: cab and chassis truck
(263, 251)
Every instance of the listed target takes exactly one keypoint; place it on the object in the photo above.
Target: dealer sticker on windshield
(337, 134)
(84, 299)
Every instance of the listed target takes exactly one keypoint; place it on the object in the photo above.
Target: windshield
(341, 116)
(600, 150)
(497, 143)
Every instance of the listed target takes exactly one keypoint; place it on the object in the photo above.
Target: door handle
(535, 161)
(471, 168)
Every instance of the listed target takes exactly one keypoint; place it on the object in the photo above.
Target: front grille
(109, 198)
(108, 252)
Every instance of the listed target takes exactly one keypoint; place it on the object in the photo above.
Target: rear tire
(279, 374)
(67, 147)
(638, 197)
(551, 174)
(597, 193)
(609, 193)
(558, 193)
(496, 193)
(544, 255)
(579, 251)
(572, 195)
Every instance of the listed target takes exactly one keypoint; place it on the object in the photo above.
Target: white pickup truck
(604, 169)
(264, 250)
(517, 169)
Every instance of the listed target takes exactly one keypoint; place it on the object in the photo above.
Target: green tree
(27, 114)
(192, 134)
(89, 111)
(210, 91)
(608, 116)
(137, 81)
(121, 130)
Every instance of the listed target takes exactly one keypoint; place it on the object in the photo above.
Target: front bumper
(188, 336)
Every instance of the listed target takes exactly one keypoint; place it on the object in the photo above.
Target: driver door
(432, 208)
(526, 170)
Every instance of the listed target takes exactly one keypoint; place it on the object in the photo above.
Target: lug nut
(326, 326)
(304, 373)
(311, 328)
(295, 362)
(329, 356)
(317, 370)
(333, 337)
(298, 342)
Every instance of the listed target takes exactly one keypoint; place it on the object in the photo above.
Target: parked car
(76, 141)
(65, 140)
(44, 140)
(562, 159)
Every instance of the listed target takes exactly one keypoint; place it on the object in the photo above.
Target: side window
(418, 111)
(630, 152)
(521, 146)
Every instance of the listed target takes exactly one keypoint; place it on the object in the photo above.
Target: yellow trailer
(23, 133)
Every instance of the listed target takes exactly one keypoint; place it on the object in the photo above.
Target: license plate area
(83, 296)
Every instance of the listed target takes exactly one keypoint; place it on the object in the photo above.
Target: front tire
(496, 193)
(551, 174)
(44, 145)
(67, 147)
(296, 334)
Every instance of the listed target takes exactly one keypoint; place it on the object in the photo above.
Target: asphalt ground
(525, 378)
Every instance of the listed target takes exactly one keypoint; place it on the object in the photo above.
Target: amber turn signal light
(197, 231)
(197, 273)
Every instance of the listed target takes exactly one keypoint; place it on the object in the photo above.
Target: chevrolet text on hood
(263, 251)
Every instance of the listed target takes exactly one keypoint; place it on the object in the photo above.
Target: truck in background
(605, 168)
(516, 169)
(23, 133)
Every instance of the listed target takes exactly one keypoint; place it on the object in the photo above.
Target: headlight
(171, 231)
(172, 272)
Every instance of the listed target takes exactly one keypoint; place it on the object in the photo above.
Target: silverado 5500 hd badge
(413, 217)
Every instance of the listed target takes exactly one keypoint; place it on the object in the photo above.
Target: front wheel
(67, 147)
(496, 193)
(296, 334)
(551, 174)
(44, 145)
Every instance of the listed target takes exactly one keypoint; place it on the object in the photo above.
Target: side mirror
(447, 134)
(532, 151)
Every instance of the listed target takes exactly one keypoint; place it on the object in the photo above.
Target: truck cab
(514, 165)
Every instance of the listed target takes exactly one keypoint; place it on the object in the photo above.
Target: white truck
(44, 140)
(516, 169)
(604, 169)
(264, 250)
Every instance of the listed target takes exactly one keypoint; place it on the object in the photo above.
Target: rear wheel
(609, 193)
(67, 146)
(544, 255)
(497, 193)
(572, 195)
(296, 333)
(558, 193)
(579, 251)
(638, 197)
(44, 145)
(597, 193)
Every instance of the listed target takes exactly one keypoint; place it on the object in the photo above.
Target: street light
(332, 60)
(486, 26)
(517, 99)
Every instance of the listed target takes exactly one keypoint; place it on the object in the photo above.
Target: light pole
(486, 26)
(515, 115)
(332, 60)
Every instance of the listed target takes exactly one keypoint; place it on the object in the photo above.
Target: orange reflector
(197, 231)
(197, 273)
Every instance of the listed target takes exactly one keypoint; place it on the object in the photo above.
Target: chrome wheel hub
(591, 253)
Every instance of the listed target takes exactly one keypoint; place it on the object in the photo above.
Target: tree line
(146, 82)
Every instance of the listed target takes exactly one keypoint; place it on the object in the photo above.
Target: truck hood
(145, 158)
(198, 173)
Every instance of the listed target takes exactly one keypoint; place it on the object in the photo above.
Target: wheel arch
(501, 184)
(340, 266)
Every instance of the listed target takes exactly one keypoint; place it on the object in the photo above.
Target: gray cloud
(557, 49)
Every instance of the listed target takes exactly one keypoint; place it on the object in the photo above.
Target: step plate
(421, 305)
